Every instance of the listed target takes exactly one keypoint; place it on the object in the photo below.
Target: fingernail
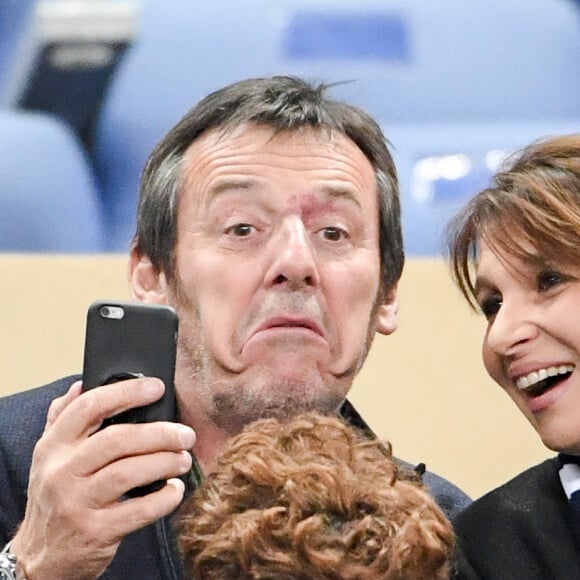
(186, 436)
(185, 461)
(177, 484)
(153, 387)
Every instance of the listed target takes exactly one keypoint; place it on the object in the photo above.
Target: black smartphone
(126, 340)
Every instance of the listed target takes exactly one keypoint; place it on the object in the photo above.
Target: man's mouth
(541, 380)
(291, 323)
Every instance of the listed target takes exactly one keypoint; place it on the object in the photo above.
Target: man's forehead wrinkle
(331, 158)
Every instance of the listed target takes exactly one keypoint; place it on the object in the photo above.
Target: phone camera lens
(112, 312)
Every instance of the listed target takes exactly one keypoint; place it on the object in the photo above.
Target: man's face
(277, 273)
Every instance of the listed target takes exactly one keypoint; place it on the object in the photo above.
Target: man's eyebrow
(341, 193)
(230, 184)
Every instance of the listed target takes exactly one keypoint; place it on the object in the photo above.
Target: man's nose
(293, 257)
(511, 327)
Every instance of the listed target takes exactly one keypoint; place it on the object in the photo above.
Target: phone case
(130, 339)
(125, 340)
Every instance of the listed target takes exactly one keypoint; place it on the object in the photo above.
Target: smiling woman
(515, 253)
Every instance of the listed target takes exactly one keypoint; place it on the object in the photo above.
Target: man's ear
(387, 316)
(146, 284)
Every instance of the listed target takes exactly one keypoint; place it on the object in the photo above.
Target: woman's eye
(334, 234)
(491, 305)
(549, 279)
(240, 230)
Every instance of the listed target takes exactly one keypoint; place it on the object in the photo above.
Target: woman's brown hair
(531, 211)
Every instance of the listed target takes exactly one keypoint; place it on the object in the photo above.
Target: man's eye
(549, 279)
(491, 305)
(240, 230)
(334, 234)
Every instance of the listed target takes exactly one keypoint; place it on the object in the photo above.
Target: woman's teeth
(541, 375)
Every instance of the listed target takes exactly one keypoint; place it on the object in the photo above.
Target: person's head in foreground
(312, 498)
(515, 254)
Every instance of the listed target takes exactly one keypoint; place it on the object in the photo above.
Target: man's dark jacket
(148, 554)
(519, 531)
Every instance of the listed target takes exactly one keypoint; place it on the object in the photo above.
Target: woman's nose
(512, 326)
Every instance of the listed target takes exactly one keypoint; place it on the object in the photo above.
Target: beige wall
(423, 388)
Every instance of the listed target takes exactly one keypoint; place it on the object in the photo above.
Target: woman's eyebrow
(482, 284)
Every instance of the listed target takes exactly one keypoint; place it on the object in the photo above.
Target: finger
(125, 440)
(116, 479)
(133, 514)
(85, 414)
(58, 405)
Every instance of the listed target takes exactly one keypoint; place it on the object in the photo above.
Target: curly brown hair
(312, 498)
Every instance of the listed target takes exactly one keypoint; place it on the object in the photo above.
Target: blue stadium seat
(442, 165)
(410, 61)
(66, 55)
(14, 16)
(48, 198)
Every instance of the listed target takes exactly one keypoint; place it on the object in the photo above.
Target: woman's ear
(146, 284)
(387, 316)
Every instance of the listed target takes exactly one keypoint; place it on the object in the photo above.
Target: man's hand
(74, 518)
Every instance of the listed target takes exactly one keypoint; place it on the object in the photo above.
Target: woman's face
(532, 343)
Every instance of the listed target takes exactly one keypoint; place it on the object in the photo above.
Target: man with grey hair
(269, 218)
